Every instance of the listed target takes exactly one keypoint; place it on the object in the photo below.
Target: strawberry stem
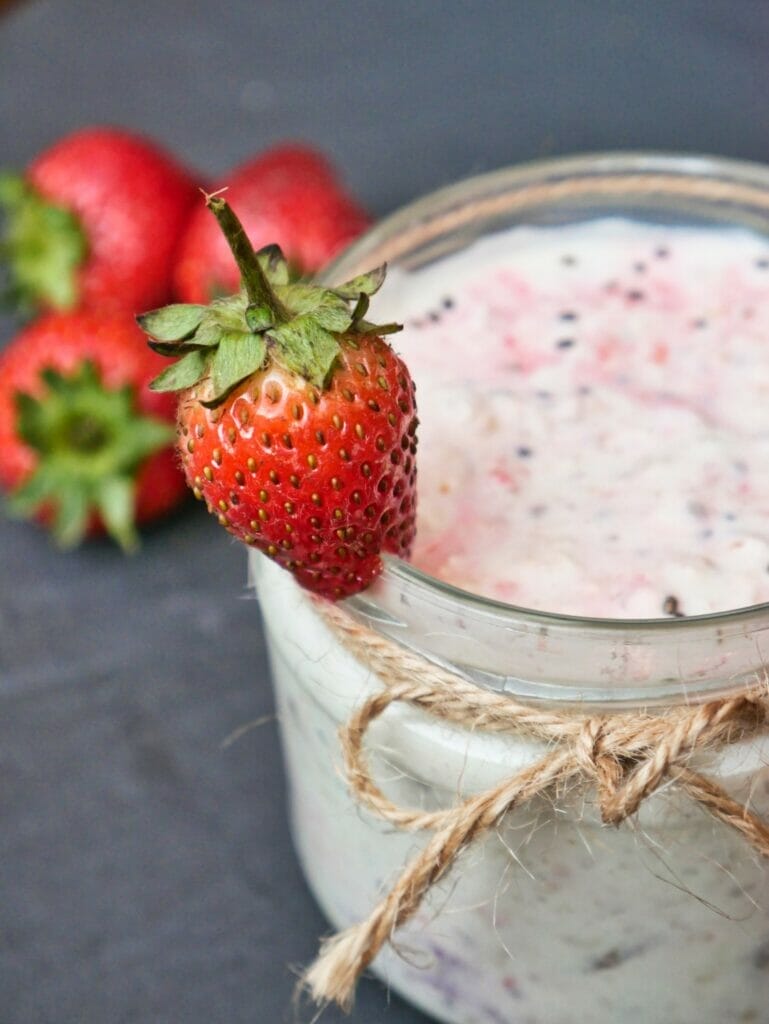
(258, 288)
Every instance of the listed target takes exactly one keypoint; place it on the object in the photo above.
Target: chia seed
(670, 606)
(614, 957)
(698, 509)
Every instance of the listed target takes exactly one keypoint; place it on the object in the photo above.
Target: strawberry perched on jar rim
(94, 221)
(87, 447)
(297, 422)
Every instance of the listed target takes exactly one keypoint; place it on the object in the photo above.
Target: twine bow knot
(625, 757)
(600, 764)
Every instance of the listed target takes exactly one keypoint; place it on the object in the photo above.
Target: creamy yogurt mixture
(594, 410)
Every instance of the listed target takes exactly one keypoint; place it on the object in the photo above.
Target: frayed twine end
(333, 975)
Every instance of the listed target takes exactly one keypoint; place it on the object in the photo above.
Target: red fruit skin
(289, 195)
(117, 348)
(132, 200)
(319, 481)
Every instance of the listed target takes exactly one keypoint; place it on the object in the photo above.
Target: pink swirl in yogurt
(594, 407)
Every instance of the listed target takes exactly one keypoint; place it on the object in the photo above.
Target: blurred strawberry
(289, 196)
(95, 221)
(85, 446)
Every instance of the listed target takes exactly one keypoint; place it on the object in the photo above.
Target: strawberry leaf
(364, 327)
(237, 357)
(306, 348)
(209, 334)
(172, 323)
(169, 348)
(146, 436)
(38, 489)
(30, 421)
(333, 318)
(328, 309)
(368, 283)
(115, 500)
(71, 516)
(228, 314)
(182, 374)
(274, 265)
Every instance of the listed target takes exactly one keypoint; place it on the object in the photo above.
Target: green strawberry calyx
(297, 325)
(43, 245)
(89, 441)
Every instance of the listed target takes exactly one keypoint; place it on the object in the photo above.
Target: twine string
(625, 757)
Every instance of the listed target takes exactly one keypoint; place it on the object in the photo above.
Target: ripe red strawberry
(86, 445)
(290, 195)
(95, 221)
(296, 420)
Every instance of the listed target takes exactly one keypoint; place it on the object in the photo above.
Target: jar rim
(750, 181)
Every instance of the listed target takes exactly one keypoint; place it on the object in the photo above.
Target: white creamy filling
(594, 424)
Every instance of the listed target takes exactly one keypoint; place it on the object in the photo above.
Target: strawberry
(86, 445)
(296, 419)
(95, 221)
(289, 195)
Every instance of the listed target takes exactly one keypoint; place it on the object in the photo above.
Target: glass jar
(553, 918)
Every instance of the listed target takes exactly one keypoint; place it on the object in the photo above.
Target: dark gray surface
(146, 874)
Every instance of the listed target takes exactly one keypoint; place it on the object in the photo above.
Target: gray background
(146, 873)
